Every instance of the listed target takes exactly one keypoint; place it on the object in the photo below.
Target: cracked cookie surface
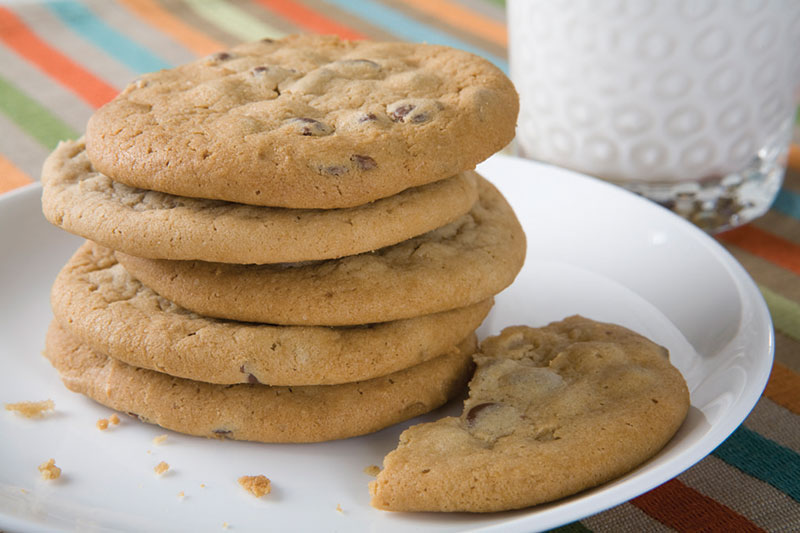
(152, 224)
(551, 411)
(101, 305)
(305, 122)
(259, 412)
(471, 259)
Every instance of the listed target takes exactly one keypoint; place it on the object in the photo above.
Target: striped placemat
(60, 60)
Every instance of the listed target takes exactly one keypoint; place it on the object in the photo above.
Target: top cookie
(305, 122)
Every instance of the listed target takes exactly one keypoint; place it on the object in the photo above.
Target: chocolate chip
(213, 59)
(363, 162)
(398, 115)
(267, 40)
(250, 377)
(369, 117)
(222, 433)
(312, 128)
(475, 411)
(259, 70)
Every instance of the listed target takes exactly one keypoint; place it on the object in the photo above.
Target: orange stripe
(680, 507)
(192, 39)
(783, 387)
(794, 156)
(71, 75)
(11, 177)
(460, 17)
(309, 19)
(765, 245)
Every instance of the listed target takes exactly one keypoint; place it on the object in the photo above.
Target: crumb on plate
(114, 419)
(339, 508)
(102, 424)
(160, 468)
(159, 439)
(258, 486)
(31, 409)
(49, 470)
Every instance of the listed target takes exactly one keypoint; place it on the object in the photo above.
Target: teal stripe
(84, 23)
(574, 527)
(788, 203)
(397, 23)
(762, 459)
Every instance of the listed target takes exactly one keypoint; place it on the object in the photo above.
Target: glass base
(718, 203)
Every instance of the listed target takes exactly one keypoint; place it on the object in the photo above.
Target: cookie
(469, 260)
(259, 412)
(152, 224)
(305, 122)
(101, 305)
(551, 412)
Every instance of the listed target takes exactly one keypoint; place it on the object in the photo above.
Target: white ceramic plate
(593, 249)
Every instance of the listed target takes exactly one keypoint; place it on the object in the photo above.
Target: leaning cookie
(102, 306)
(305, 122)
(457, 265)
(551, 412)
(152, 224)
(259, 412)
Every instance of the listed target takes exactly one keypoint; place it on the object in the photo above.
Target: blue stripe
(788, 203)
(83, 22)
(763, 459)
(397, 23)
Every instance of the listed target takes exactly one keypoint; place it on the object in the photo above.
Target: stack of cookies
(286, 241)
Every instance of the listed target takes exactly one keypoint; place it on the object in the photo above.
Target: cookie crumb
(49, 470)
(102, 424)
(258, 486)
(202, 485)
(372, 470)
(181, 495)
(114, 419)
(159, 439)
(31, 409)
(339, 508)
(161, 468)
(224, 525)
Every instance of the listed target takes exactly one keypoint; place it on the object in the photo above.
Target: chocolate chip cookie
(551, 412)
(152, 224)
(305, 122)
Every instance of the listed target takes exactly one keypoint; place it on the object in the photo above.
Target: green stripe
(785, 313)
(574, 527)
(32, 118)
(762, 459)
(233, 20)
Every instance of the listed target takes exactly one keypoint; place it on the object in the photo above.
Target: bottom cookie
(552, 411)
(260, 412)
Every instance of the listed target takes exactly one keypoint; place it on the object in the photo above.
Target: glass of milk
(687, 102)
